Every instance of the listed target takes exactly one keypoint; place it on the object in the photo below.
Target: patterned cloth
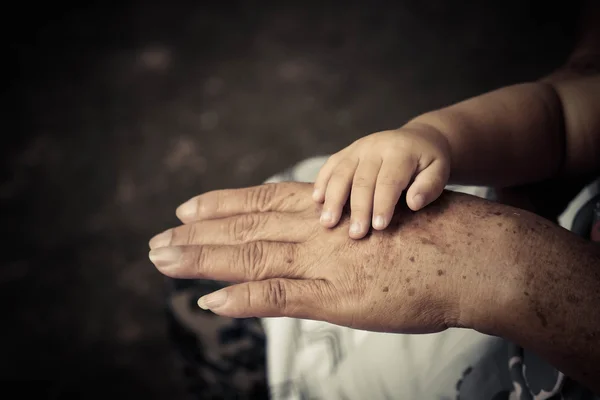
(223, 358)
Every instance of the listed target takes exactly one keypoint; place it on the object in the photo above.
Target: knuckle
(345, 165)
(433, 182)
(430, 183)
(243, 227)
(365, 140)
(359, 141)
(290, 254)
(215, 199)
(338, 175)
(402, 145)
(358, 210)
(276, 294)
(257, 254)
(389, 181)
(249, 297)
(252, 260)
(200, 261)
(444, 173)
(260, 198)
(191, 234)
(342, 175)
(361, 181)
(385, 207)
(334, 158)
(290, 257)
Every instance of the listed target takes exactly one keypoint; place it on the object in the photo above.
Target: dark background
(113, 115)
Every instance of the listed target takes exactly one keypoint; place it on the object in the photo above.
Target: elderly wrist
(491, 289)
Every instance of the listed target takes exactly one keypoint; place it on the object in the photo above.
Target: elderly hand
(424, 273)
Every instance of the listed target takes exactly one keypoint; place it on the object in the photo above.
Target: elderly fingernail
(326, 217)
(165, 256)
(379, 222)
(355, 228)
(187, 210)
(213, 300)
(161, 240)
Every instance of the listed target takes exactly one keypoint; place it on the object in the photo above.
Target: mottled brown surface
(122, 113)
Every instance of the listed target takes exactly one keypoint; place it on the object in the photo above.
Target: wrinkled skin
(423, 274)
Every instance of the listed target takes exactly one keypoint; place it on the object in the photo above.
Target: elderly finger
(270, 226)
(282, 197)
(247, 262)
(270, 298)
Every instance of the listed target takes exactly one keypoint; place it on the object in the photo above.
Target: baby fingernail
(355, 228)
(165, 257)
(316, 195)
(419, 201)
(213, 300)
(326, 217)
(379, 222)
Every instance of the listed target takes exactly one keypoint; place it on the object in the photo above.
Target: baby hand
(375, 170)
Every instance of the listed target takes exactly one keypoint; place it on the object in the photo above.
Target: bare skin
(462, 262)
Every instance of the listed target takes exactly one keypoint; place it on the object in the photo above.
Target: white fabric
(566, 218)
